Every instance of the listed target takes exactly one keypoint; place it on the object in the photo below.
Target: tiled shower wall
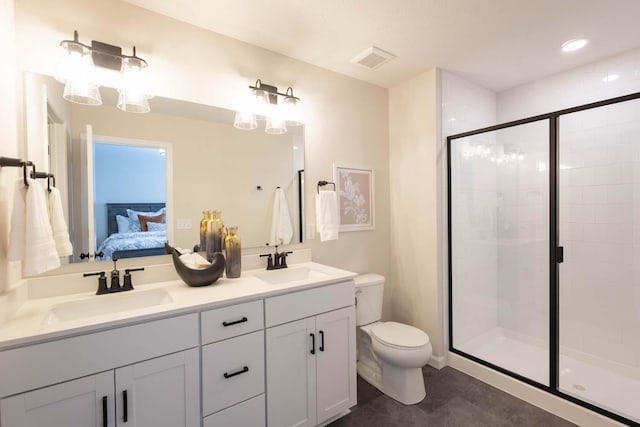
(600, 212)
(466, 106)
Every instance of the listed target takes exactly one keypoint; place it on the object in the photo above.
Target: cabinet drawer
(232, 371)
(246, 414)
(298, 305)
(227, 322)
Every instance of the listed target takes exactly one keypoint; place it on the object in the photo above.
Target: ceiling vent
(372, 57)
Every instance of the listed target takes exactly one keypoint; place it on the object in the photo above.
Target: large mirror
(129, 182)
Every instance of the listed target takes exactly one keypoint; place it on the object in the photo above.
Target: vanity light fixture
(77, 71)
(263, 105)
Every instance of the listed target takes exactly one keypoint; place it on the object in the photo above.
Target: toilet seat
(399, 335)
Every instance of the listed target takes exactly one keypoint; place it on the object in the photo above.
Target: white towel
(327, 215)
(195, 261)
(281, 229)
(31, 239)
(58, 224)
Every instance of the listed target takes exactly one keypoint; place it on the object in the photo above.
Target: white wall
(8, 137)
(413, 156)
(346, 119)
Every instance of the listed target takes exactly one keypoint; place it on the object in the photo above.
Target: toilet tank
(369, 291)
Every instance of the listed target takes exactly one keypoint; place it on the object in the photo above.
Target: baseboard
(332, 419)
(437, 362)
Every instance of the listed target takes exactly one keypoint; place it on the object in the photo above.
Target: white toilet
(390, 355)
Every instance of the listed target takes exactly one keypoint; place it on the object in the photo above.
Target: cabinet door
(336, 362)
(291, 374)
(83, 402)
(162, 392)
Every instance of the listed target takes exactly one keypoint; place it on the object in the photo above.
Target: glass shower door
(499, 221)
(599, 226)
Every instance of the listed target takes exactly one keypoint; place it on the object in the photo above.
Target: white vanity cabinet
(86, 402)
(158, 392)
(82, 380)
(233, 365)
(311, 362)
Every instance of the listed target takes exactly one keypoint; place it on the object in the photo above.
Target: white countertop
(29, 326)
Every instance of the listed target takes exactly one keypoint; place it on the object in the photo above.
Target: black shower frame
(555, 252)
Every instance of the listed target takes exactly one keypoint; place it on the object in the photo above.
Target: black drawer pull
(321, 341)
(105, 421)
(241, 371)
(125, 407)
(313, 343)
(225, 324)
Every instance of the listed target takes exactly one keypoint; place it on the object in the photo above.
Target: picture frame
(355, 191)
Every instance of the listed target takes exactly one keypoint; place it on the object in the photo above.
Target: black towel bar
(18, 163)
(323, 183)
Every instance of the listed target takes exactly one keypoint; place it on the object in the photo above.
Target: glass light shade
(133, 102)
(275, 125)
(82, 93)
(245, 120)
(292, 112)
(75, 63)
(133, 96)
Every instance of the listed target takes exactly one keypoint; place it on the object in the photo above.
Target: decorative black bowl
(197, 277)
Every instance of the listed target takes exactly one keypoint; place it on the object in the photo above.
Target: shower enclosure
(544, 252)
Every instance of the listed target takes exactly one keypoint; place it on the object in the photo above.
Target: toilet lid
(399, 335)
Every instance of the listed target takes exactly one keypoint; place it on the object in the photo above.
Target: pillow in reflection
(145, 220)
(157, 226)
(134, 222)
(124, 225)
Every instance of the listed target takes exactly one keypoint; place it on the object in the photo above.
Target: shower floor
(585, 381)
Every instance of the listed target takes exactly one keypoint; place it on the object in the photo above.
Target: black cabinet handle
(105, 421)
(125, 409)
(241, 371)
(321, 340)
(225, 324)
(313, 343)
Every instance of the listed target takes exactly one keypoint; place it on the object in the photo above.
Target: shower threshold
(581, 379)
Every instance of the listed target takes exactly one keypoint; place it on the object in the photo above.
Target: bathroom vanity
(272, 348)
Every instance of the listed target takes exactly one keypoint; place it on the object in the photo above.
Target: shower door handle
(559, 254)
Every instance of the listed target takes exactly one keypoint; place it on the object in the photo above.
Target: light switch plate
(183, 224)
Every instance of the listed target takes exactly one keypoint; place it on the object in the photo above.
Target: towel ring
(323, 183)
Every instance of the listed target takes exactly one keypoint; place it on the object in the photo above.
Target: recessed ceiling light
(573, 45)
(610, 78)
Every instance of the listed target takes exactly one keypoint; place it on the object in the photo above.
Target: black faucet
(128, 286)
(115, 280)
(278, 260)
(102, 282)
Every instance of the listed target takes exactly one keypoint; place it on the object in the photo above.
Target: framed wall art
(354, 186)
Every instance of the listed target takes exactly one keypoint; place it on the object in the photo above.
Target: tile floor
(453, 399)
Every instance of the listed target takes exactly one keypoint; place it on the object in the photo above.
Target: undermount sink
(291, 274)
(106, 304)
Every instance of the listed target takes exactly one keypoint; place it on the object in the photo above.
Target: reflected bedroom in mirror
(131, 182)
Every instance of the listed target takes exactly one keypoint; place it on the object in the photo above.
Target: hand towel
(327, 215)
(58, 224)
(194, 260)
(31, 239)
(281, 229)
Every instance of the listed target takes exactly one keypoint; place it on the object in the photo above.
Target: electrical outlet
(311, 231)
(183, 224)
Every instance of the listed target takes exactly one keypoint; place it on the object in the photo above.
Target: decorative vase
(234, 253)
(206, 216)
(214, 235)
